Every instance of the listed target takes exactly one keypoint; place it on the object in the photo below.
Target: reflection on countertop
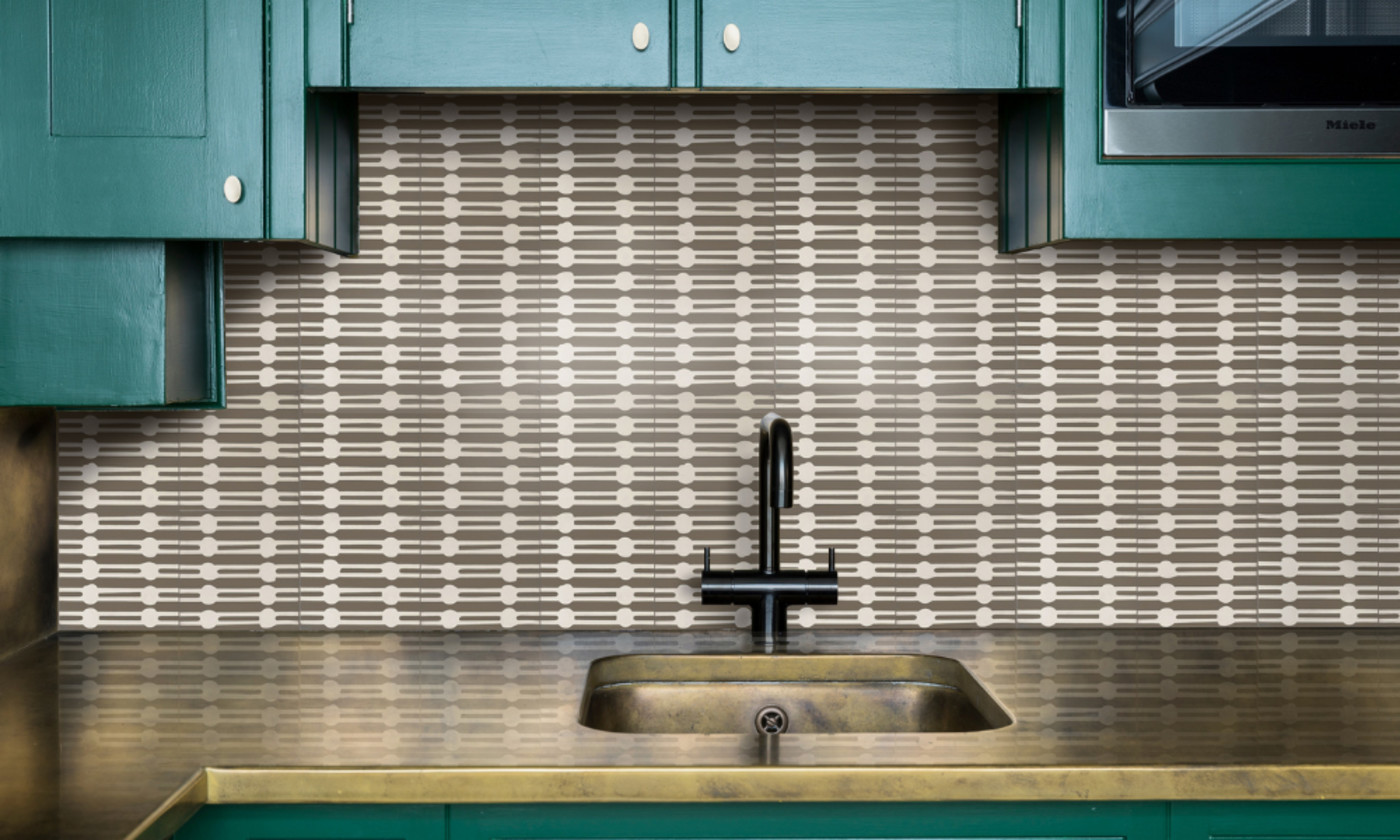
(133, 717)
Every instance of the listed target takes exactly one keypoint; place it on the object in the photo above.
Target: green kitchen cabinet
(125, 118)
(170, 119)
(1285, 821)
(514, 45)
(316, 822)
(810, 821)
(101, 323)
(870, 44)
(1057, 185)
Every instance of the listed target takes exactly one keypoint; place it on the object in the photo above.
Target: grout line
(1018, 552)
(1137, 426)
(297, 437)
(773, 235)
(421, 595)
(1259, 452)
(539, 365)
(1377, 599)
(182, 599)
(655, 365)
(898, 356)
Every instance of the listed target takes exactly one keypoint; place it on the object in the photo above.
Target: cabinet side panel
(188, 294)
(28, 526)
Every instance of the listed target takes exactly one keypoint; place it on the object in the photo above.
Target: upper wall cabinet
(174, 119)
(516, 44)
(882, 44)
(131, 118)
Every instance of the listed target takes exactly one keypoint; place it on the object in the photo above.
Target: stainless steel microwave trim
(1250, 132)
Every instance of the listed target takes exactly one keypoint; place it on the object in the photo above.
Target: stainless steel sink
(767, 694)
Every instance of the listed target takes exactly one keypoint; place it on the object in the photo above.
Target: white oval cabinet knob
(233, 189)
(641, 36)
(731, 37)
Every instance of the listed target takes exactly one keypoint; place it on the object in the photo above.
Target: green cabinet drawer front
(123, 118)
(515, 44)
(759, 821)
(316, 822)
(1285, 821)
(97, 323)
(928, 44)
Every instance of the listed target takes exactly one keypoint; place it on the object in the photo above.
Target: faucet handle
(707, 560)
(831, 560)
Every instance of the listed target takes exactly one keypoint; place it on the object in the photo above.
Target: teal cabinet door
(1285, 821)
(103, 324)
(811, 821)
(510, 44)
(917, 44)
(316, 822)
(124, 118)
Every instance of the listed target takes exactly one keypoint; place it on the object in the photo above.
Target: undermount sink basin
(794, 693)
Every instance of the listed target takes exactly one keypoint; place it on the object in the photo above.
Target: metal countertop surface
(102, 733)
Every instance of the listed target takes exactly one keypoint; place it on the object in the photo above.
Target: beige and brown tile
(532, 399)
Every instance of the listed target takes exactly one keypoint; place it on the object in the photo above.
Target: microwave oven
(1251, 78)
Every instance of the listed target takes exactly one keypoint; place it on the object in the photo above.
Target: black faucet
(770, 590)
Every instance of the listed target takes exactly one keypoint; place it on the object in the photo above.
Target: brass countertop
(116, 735)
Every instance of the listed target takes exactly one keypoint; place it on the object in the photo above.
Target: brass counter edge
(485, 785)
(504, 785)
(175, 811)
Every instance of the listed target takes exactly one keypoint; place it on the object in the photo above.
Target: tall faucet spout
(774, 486)
(775, 461)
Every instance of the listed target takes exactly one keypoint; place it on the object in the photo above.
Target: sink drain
(771, 720)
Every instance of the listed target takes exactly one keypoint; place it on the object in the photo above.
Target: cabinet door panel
(123, 118)
(315, 822)
(812, 821)
(516, 44)
(1285, 821)
(928, 44)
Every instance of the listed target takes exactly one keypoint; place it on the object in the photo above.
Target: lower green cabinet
(809, 821)
(1285, 821)
(748, 820)
(111, 324)
(317, 822)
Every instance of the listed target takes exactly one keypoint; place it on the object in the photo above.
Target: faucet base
(768, 596)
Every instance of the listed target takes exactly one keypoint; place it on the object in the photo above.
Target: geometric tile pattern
(532, 399)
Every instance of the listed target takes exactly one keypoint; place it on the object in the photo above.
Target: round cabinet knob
(233, 189)
(731, 37)
(641, 36)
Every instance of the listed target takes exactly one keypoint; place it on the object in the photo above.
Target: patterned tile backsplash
(533, 398)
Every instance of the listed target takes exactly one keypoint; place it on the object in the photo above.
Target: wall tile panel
(532, 400)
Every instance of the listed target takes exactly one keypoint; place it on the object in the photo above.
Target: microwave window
(1200, 23)
(1265, 53)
